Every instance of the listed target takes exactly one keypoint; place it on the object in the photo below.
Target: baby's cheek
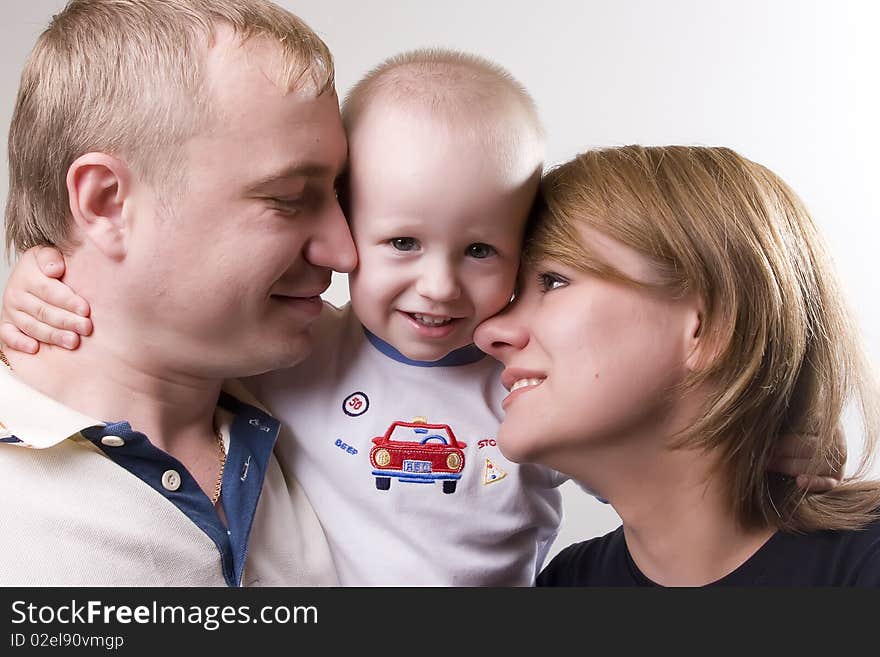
(494, 302)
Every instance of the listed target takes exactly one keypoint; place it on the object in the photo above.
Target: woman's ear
(700, 345)
(98, 186)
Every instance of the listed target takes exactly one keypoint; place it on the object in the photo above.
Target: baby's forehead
(420, 153)
(491, 127)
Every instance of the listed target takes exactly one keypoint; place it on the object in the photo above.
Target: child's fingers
(55, 293)
(804, 445)
(796, 445)
(796, 467)
(43, 332)
(53, 316)
(12, 338)
(816, 484)
(50, 261)
(788, 465)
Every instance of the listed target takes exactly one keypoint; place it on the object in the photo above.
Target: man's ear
(97, 187)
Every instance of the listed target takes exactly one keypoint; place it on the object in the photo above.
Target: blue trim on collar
(253, 434)
(463, 356)
(252, 438)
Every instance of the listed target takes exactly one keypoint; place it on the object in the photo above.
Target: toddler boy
(394, 415)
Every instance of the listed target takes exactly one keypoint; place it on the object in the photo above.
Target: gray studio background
(789, 83)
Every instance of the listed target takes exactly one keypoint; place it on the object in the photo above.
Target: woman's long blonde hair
(785, 354)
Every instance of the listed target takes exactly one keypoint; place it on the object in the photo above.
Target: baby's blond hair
(460, 89)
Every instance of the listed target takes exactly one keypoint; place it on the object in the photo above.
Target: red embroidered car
(417, 453)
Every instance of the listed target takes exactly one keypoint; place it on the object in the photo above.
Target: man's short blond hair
(460, 89)
(125, 77)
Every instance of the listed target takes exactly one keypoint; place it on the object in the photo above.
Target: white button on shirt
(112, 441)
(171, 480)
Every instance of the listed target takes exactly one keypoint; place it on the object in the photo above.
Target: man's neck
(174, 409)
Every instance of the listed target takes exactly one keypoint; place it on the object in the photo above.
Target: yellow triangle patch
(492, 473)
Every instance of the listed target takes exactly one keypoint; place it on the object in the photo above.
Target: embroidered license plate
(416, 466)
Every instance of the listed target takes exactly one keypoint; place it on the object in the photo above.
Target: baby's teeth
(431, 321)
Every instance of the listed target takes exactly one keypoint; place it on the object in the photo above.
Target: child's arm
(38, 307)
(37, 304)
(792, 458)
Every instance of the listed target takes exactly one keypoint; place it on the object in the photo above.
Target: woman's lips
(519, 383)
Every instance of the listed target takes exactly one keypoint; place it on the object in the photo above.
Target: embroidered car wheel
(384, 483)
(449, 486)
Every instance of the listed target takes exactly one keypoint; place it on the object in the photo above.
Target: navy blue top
(824, 558)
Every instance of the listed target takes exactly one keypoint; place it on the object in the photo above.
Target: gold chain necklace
(217, 487)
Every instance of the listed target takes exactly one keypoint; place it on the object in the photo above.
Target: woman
(676, 315)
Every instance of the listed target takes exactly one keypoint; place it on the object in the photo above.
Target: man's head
(184, 153)
(127, 77)
(446, 152)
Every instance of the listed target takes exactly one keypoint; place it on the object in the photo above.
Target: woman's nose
(503, 334)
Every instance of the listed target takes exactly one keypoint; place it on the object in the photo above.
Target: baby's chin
(424, 350)
(427, 352)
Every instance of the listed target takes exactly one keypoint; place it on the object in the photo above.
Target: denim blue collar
(252, 438)
(463, 356)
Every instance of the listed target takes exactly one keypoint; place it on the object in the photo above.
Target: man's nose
(332, 245)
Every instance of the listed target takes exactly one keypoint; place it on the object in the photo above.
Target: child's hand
(38, 307)
(792, 458)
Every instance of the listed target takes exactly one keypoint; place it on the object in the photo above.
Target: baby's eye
(480, 251)
(404, 243)
(549, 281)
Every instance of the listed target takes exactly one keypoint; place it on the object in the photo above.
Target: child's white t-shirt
(412, 516)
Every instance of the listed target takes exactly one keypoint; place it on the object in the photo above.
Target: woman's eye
(550, 281)
(480, 251)
(404, 243)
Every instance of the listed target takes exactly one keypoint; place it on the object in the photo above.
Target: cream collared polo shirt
(91, 503)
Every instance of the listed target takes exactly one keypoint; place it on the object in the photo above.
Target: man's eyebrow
(307, 170)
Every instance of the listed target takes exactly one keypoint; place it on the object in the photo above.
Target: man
(183, 153)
